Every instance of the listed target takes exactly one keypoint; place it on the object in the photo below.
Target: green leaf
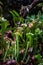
(38, 57)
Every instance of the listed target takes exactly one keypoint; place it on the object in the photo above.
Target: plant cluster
(22, 44)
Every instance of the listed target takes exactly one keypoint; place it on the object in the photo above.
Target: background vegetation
(21, 39)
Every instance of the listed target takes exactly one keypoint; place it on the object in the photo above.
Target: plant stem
(6, 52)
(17, 47)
